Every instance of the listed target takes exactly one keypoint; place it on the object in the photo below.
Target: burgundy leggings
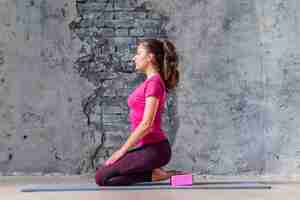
(135, 166)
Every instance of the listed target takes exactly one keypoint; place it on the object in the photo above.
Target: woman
(147, 148)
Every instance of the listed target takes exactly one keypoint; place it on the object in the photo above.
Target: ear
(151, 57)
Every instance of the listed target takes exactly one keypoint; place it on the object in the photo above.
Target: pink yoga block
(186, 179)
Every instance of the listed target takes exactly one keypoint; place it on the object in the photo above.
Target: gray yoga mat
(140, 186)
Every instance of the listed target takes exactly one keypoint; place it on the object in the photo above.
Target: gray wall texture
(65, 74)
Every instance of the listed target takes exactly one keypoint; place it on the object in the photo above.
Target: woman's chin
(138, 69)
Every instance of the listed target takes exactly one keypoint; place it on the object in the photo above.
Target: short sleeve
(154, 88)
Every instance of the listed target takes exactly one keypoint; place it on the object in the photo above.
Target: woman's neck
(151, 72)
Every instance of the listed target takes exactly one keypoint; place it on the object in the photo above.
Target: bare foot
(159, 174)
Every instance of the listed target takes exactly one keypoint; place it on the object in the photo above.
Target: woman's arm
(151, 107)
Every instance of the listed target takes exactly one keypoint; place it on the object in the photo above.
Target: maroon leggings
(135, 166)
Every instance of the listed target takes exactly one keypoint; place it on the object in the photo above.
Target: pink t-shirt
(153, 86)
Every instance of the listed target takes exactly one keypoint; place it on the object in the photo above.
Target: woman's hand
(115, 156)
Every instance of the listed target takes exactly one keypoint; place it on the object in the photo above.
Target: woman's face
(141, 59)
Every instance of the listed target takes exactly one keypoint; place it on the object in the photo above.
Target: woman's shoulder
(155, 81)
(155, 78)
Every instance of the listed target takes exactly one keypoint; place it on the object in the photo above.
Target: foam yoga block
(179, 180)
(185, 179)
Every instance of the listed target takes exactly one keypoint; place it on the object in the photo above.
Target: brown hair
(166, 59)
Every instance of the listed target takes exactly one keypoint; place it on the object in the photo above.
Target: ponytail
(169, 72)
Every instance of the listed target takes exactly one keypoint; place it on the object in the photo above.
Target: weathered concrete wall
(41, 116)
(279, 40)
(65, 74)
(241, 77)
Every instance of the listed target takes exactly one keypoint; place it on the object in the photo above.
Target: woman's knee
(99, 178)
(102, 176)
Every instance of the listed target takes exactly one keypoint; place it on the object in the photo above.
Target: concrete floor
(283, 188)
